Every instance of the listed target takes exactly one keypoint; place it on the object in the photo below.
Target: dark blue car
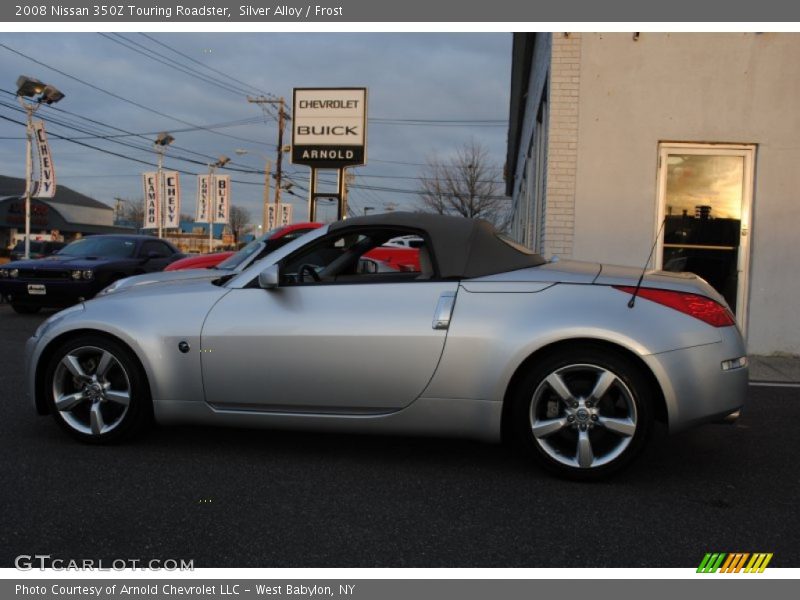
(81, 269)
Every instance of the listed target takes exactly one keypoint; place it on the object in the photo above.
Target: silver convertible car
(573, 360)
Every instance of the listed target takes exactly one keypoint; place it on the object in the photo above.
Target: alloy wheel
(583, 416)
(91, 390)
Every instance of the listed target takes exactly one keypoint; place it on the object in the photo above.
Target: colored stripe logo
(735, 562)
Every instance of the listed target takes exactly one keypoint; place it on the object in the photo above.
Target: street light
(221, 162)
(162, 141)
(267, 169)
(37, 93)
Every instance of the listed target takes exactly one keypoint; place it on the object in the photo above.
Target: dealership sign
(329, 127)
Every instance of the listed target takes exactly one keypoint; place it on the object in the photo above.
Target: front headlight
(88, 274)
(3, 272)
(13, 273)
(76, 275)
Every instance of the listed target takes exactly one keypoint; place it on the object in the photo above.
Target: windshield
(242, 255)
(100, 246)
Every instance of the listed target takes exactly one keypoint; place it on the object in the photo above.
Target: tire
(25, 309)
(559, 422)
(96, 390)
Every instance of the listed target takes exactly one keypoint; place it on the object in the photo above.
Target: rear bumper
(695, 386)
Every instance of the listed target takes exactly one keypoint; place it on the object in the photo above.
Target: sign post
(329, 131)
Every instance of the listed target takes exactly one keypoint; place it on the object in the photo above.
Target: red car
(275, 239)
(397, 257)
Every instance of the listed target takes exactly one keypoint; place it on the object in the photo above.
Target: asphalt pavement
(254, 498)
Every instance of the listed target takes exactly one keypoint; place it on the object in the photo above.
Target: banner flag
(172, 199)
(284, 214)
(222, 202)
(202, 199)
(44, 184)
(152, 204)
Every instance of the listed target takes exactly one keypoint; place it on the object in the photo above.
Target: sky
(412, 79)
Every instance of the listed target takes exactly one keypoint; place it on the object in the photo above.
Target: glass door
(705, 192)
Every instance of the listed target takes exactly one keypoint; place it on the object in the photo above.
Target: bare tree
(465, 185)
(239, 220)
(130, 210)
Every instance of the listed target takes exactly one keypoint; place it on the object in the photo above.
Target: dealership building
(68, 215)
(616, 140)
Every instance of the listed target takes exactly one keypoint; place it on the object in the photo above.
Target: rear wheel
(583, 412)
(96, 390)
(25, 309)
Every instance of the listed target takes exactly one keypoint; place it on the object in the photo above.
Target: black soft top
(462, 248)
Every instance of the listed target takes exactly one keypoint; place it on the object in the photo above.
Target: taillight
(694, 305)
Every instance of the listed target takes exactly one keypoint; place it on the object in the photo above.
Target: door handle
(444, 309)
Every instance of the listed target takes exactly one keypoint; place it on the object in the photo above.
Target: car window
(160, 248)
(109, 247)
(355, 257)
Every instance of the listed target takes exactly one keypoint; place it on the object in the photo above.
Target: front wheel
(96, 390)
(583, 412)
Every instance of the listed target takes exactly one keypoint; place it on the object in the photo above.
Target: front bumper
(695, 386)
(57, 293)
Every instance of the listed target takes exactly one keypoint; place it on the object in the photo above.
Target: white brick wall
(562, 152)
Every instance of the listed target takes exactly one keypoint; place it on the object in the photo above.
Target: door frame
(748, 152)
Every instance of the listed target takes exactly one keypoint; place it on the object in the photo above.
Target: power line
(122, 98)
(147, 53)
(178, 52)
(125, 143)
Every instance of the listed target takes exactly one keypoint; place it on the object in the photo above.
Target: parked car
(38, 249)
(219, 263)
(81, 269)
(271, 240)
(575, 361)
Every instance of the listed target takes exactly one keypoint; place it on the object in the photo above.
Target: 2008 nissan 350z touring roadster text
(486, 339)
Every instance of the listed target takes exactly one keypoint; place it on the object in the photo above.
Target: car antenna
(635, 293)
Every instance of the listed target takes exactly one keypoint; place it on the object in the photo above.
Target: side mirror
(269, 278)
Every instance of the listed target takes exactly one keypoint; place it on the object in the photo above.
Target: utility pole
(37, 94)
(162, 141)
(282, 117)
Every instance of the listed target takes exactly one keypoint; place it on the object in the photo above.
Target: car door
(360, 345)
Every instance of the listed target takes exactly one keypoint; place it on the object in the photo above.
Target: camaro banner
(152, 204)
(172, 199)
(44, 184)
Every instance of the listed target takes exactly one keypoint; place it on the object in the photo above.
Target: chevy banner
(44, 184)
(172, 199)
